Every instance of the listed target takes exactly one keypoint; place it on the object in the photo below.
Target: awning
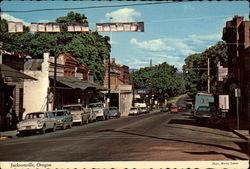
(7, 71)
(76, 83)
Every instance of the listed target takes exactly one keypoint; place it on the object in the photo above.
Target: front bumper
(29, 128)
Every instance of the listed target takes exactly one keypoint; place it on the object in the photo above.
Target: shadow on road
(229, 156)
(243, 145)
(193, 123)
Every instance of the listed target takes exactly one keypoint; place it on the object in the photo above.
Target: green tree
(88, 47)
(195, 68)
(162, 80)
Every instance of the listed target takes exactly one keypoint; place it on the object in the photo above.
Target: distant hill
(132, 70)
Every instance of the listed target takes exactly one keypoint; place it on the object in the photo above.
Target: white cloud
(12, 18)
(124, 15)
(152, 45)
(205, 37)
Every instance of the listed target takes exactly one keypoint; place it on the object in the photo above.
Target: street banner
(44, 27)
(82, 27)
(14, 27)
(120, 27)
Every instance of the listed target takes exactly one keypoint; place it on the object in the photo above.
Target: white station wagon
(37, 121)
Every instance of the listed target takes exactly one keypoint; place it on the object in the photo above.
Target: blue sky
(173, 31)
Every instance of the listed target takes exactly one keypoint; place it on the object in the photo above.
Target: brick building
(120, 89)
(236, 33)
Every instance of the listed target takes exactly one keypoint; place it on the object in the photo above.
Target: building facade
(121, 93)
(236, 33)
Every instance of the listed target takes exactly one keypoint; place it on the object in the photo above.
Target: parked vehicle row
(138, 110)
(65, 118)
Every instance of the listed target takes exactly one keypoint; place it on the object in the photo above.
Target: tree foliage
(196, 65)
(88, 47)
(162, 80)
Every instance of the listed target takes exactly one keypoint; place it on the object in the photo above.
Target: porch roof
(76, 83)
(7, 71)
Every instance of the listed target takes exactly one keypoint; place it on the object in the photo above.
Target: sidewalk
(4, 135)
(244, 129)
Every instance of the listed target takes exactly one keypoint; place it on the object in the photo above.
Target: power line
(91, 7)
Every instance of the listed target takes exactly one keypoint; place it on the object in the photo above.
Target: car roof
(36, 112)
(69, 105)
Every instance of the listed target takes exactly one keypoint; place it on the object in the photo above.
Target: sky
(172, 30)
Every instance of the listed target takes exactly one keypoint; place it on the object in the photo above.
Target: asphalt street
(158, 136)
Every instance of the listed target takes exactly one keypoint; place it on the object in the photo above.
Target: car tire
(64, 126)
(54, 128)
(43, 130)
(81, 123)
(22, 133)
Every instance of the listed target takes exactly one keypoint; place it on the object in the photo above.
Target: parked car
(144, 110)
(78, 114)
(134, 111)
(182, 106)
(101, 112)
(37, 121)
(114, 112)
(63, 118)
(202, 112)
(174, 109)
(163, 108)
(91, 114)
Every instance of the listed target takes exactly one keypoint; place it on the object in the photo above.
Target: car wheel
(43, 130)
(64, 126)
(54, 128)
(22, 133)
(81, 123)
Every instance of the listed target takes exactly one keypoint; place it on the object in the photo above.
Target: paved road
(148, 137)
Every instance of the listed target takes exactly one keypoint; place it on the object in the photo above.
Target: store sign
(120, 27)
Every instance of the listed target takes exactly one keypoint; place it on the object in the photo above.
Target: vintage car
(63, 119)
(91, 114)
(78, 113)
(114, 112)
(164, 109)
(202, 112)
(102, 113)
(134, 111)
(37, 121)
(144, 110)
(174, 109)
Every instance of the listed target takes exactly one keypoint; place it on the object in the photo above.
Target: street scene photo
(125, 81)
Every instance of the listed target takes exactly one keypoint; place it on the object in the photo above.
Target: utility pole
(54, 87)
(110, 55)
(208, 74)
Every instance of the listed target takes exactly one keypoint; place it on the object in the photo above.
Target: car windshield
(73, 108)
(95, 105)
(59, 113)
(34, 115)
(133, 109)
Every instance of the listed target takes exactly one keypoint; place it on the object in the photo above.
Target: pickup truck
(102, 113)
